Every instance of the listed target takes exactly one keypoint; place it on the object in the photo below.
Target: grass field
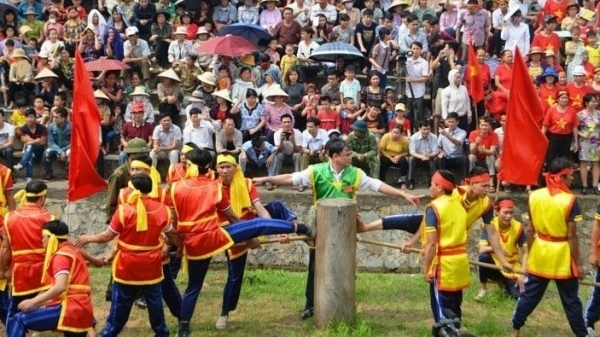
(387, 305)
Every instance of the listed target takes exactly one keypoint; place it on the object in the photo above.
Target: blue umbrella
(6, 4)
(249, 31)
(329, 52)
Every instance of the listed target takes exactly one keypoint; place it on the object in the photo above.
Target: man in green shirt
(335, 179)
(364, 148)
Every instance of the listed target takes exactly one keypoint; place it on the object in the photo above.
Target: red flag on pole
(85, 138)
(524, 148)
(474, 80)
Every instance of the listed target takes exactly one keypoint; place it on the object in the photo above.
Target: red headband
(555, 183)
(480, 178)
(442, 182)
(506, 203)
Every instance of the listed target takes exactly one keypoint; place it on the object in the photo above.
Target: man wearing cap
(23, 249)
(140, 224)
(136, 128)
(224, 14)
(136, 53)
(335, 179)
(180, 47)
(364, 148)
(139, 97)
(554, 255)
(166, 139)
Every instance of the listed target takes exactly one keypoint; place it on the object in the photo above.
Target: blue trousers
(170, 293)
(43, 319)
(404, 222)
(13, 307)
(486, 274)
(592, 313)
(535, 287)
(123, 296)
(4, 305)
(239, 232)
(444, 301)
(30, 153)
(236, 267)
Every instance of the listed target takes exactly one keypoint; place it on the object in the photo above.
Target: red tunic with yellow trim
(23, 228)
(247, 213)
(77, 312)
(196, 203)
(176, 173)
(163, 196)
(6, 179)
(139, 248)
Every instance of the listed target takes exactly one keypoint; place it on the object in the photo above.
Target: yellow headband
(186, 148)
(226, 159)
(154, 175)
(51, 248)
(191, 171)
(22, 195)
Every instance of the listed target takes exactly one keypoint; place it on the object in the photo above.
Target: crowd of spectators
(270, 108)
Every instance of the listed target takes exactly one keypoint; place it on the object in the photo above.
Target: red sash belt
(454, 250)
(551, 238)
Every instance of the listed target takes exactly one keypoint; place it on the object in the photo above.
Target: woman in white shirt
(455, 98)
(515, 33)
(307, 67)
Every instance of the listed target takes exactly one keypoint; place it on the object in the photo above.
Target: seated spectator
(252, 115)
(270, 15)
(143, 17)
(161, 34)
(168, 95)
(46, 88)
(90, 45)
(112, 127)
(222, 109)
(59, 142)
(375, 120)
(330, 119)
(275, 110)
(7, 139)
(35, 27)
(483, 144)
(17, 117)
(423, 149)
(136, 52)
(229, 139)
(30, 5)
(136, 128)
(451, 143)
(248, 12)
(187, 21)
(74, 26)
(224, 14)
(205, 60)
(166, 139)
(180, 47)
(188, 74)
(260, 154)
(313, 143)
(364, 148)
(348, 114)
(200, 132)
(20, 76)
(332, 88)
(400, 119)
(393, 149)
(42, 112)
(288, 142)
(112, 88)
(34, 136)
(140, 96)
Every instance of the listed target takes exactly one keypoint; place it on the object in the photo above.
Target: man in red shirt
(483, 144)
(137, 128)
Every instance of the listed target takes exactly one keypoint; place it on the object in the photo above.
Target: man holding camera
(288, 142)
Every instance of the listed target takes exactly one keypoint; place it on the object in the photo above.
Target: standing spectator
(561, 128)
(313, 143)
(483, 145)
(577, 89)
(59, 142)
(503, 75)
(393, 149)
(445, 61)
(200, 132)
(136, 128)
(364, 148)
(497, 24)
(260, 154)
(248, 12)
(451, 143)
(455, 98)
(417, 74)
(365, 35)
(34, 136)
(7, 138)
(288, 141)
(414, 34)
(515, 33)
(547, 39)
(224, 14)
(166, 139)
(136, 52)
(350, 86)
(589, 142)
(423, 150)
(474, 25)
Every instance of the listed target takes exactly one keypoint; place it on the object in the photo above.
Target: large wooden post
(335, 268)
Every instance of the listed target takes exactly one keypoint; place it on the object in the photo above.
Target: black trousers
(558, 146)
(385, 163)
(27, 89)
(444, 301)
(487, 274)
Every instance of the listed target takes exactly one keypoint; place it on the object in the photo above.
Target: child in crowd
(42, 113)
(330, 119)
(365, 35)
(272, 51)
(593, 48)
(350, 86)
(31, 50)
(572, 46)
(310, 101)
(288, 61)
(569, 20)
(375, 121)
(348, 113)
(224, 78)
(17, 117)
(60, 101)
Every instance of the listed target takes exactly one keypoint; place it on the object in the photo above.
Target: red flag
(525, 145)
(85, 138)
(474, 81)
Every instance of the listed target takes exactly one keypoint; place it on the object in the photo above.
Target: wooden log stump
(335, 268)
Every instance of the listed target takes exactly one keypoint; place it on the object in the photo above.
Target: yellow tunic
(509, 242)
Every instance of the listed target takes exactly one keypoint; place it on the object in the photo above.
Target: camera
(317, 153)
(447, 326)
(286, 135)
(404, 55)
